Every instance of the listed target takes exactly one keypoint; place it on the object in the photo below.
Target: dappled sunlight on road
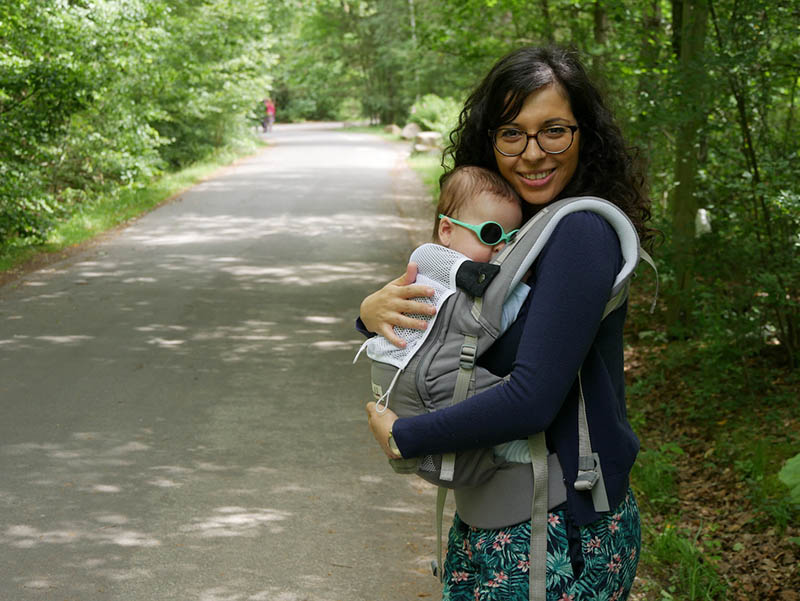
(21, 341)
(400, 507)
(206, 229)
(244, 340)
(236, 521)
(100, 481)
(223, 593)
(335, 345)
(326, 319)
(304, 275)
(27, 537)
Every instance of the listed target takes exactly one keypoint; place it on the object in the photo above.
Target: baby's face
(484, 207)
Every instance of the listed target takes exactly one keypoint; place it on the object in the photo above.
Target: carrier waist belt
(505, 499)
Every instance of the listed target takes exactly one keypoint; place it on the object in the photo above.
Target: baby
(477, 215)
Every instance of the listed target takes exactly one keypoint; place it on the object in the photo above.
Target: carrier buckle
(467, 357)
(587, 473)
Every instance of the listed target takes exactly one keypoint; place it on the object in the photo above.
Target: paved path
(180, 416)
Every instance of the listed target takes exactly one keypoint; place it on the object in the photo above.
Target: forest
(102, 97)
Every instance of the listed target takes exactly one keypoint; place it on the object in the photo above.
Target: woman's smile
(537, 178)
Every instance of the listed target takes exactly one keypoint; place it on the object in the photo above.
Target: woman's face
(539, 177)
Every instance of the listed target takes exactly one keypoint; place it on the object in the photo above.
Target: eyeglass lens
(491, 233)
(513, 141)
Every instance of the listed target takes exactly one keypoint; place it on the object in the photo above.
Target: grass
(428, 166)
(684, 564)
(115, 207)
(654, 475)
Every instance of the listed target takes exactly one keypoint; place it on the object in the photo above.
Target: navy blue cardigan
(558, 331)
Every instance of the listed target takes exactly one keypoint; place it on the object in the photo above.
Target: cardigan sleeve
(571, 283)
(360, 327)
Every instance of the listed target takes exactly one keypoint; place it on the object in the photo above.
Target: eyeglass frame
(477, 229)
(571, 128)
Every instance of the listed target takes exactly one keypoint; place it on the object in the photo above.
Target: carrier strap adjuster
(467, 358)
(587, 473)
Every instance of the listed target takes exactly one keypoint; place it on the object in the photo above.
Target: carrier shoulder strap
(537, 556)
(590, 477)
(517, 258)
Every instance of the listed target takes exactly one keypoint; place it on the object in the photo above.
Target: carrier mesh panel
(426, 464)
(437, 266)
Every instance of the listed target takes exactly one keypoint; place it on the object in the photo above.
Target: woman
(538, 121)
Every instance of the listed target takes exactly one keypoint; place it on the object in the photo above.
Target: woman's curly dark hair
(607, 167)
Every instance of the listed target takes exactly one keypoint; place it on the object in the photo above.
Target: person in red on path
(269, 117)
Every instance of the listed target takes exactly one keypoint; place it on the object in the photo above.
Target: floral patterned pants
(596, 562)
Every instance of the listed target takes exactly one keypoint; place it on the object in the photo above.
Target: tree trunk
(548, 24)
(648, 81)
(677, 26)
(692, 105)
(412, 18)
(600, 38)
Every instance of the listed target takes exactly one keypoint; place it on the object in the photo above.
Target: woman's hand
(391, 306)
(381, 426)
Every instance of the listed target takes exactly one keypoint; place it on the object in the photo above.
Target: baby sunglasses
(489, 232)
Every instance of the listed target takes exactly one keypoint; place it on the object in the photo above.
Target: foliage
(103, 94)
(711, 80)
(434, 113)
(790, 476)
(654, 477)
(688, 563)
(734, 419)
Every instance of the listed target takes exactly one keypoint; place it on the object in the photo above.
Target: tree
(690, 85)
(95, 95)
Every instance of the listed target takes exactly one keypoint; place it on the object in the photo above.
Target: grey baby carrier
(438, 368)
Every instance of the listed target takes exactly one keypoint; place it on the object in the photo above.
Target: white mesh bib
(436, 267)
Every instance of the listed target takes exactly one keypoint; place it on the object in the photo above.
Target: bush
(97, 95)
(790, 476)
(350, 109)
(433, 113)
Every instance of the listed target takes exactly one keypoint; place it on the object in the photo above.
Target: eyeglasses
(512, 141)
(489, 232)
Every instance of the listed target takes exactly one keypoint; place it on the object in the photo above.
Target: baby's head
(471, 196)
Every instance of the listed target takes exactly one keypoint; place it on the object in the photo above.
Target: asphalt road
(180, 416)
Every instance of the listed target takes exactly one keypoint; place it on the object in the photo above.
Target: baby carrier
(438, 368)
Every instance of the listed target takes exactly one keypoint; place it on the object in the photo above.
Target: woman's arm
(391, 306)
(571, 284)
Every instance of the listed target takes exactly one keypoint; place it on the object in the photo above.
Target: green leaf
(790, 476)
